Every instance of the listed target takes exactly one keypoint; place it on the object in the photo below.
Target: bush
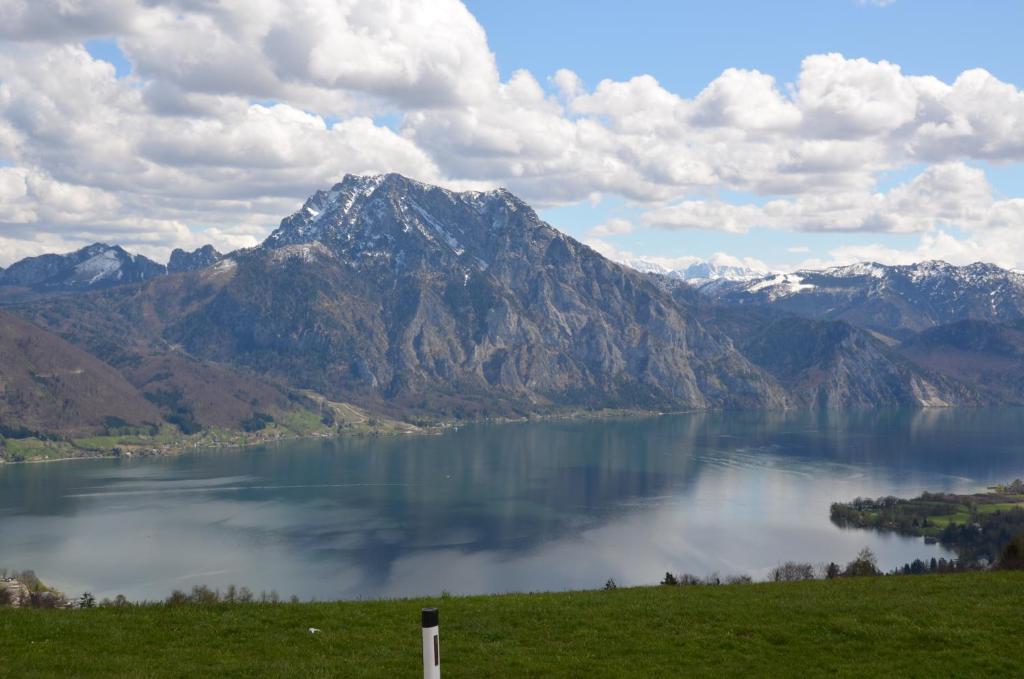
(791, 571)
(185, 422)
(864, 564)
(257, 422)
(1012, 557)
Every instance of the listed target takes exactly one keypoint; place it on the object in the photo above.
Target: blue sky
(685, 45)
(650, 119)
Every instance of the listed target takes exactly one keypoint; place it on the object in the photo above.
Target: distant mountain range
(896, 301)
(413, 301)
(92, 267)
(698, 273)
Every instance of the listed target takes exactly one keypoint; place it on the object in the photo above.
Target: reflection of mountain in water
(490, 508)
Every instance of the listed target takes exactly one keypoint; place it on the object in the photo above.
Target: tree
(669, 579)
(792, 571)
(864, 564)
(87, 601)
(1012, 558)
(832, 571)
(610, 584)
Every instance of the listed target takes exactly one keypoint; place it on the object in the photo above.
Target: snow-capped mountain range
(95, 266)
(697, 273)
(894, 300)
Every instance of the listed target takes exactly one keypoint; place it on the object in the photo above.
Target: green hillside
(925, 626)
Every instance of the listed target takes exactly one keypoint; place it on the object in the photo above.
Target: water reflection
(495, 508)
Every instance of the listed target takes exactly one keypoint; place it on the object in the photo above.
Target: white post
(431, 645)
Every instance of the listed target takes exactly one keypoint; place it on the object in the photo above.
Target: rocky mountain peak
(94, 266)
(391, 220)
(199, 258)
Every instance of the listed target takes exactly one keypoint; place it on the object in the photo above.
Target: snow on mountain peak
(697, 273)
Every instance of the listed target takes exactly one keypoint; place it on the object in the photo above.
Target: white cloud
(64, 19)
(997, 246)
(78, 131)
(612, 227)
(949, 194)
(236, 111)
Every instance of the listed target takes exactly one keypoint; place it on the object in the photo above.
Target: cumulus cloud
(234, 112)
(1000, 246)
(612, 227)
(25, 20)
(949, 194)
(76, 131)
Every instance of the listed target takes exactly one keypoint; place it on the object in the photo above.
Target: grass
(170, 440)
(912, 626)
(35, 449)
(941, 521)
(999, 507)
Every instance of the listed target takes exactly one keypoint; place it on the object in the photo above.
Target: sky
(777, 135)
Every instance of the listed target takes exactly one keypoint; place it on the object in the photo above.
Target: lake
(495, 508)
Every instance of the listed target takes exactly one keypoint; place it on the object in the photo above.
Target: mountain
(698, 273)
(833, 364)
(414, 297)
(193, 261)
(701, 273)
(92, 267)
(895, 301)
(50, 385)
(409, 299)
(983, 353)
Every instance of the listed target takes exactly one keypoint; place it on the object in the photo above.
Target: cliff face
(423, 298)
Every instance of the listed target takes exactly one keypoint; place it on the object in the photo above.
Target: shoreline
(399, 428)
(405, 429)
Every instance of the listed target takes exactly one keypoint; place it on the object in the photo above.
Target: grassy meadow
(954, 625)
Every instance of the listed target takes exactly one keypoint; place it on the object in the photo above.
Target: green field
(954, 625)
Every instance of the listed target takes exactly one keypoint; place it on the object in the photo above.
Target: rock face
(833, 364)
(897, 301)
(467, 303)
(987, 355)
(92, 267)
(193, 261)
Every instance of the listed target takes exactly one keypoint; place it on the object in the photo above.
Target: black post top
(430, 617)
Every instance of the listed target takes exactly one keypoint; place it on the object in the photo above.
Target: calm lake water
(496, 508)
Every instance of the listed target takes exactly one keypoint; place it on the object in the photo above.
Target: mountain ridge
(898, 300)
(412, 301)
